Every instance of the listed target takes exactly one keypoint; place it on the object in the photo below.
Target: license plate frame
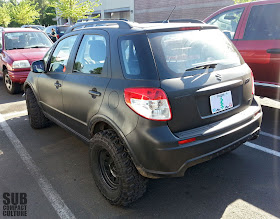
(221, 102)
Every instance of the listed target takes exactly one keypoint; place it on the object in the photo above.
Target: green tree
(74, 9)
(24, 12)
(5, 18)
(242, 1)
(49, 15)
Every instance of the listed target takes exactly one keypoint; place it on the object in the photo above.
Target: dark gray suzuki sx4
(151, 99)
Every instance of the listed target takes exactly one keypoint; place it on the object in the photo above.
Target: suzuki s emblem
(218, 77)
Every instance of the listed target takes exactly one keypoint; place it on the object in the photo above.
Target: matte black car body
(66, 99)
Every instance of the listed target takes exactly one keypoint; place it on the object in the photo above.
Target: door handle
(273, 51)
(94, 93)
(57, 84)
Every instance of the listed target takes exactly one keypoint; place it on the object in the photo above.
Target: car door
(259, 45)
(50, 83)
(84, 87)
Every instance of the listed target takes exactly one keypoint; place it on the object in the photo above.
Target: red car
(254, 28)
(19, 47)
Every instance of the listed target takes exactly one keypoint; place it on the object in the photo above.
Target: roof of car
(12, 30)
(120, 24)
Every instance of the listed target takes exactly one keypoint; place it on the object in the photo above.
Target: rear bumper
(160, 155)
(18, 76)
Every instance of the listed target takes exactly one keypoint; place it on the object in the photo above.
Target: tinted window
(61, 29)
(227, 21)
(137, 60)
(48, 29)
(26, 40)
(263, 23)
(184, 53)
(91, 55)
(61, 54)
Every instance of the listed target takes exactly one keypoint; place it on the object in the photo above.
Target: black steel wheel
(113, 171)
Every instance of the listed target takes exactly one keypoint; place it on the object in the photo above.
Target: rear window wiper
(205, 66)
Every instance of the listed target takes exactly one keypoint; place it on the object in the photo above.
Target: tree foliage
(242, 1)
(18, 13)
(5, 17)
(75, 9)
(25, 12)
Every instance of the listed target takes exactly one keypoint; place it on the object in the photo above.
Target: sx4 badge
(14, 204)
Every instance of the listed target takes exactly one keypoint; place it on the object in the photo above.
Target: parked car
(151, 99)
(254, 28)
(19, 47)
(37, 27)
(60, 30)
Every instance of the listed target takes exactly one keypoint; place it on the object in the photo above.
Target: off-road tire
(37, 118)
(11, 87)
(131, 185)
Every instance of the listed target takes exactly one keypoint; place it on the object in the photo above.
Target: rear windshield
(184, 53)
(62, 29)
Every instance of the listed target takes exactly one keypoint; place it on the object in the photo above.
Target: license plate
(220, 102)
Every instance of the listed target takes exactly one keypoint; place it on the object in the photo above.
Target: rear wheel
(113, 171)
(11, 87)
(37, 118)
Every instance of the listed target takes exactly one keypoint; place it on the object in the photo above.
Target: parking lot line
(23, 112)
(54, 198)
(270, 135)
(263, 149)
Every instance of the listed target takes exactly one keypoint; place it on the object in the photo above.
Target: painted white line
(24, 112)
(56, 201)
(270, 135)
(263, 149)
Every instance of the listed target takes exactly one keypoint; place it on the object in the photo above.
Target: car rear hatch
(203, 75)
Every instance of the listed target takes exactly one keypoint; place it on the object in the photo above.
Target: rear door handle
(94, 93)
(57, 84)
(273, 51)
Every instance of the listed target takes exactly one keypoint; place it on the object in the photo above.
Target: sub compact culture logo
(14, 204)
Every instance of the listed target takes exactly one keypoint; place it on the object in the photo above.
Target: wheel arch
(100, 120)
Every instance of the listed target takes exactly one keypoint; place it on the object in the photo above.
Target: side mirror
(38, 66)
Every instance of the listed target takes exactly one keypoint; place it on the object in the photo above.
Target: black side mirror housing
(38, 66)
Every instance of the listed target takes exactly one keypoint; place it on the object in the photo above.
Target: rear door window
(91, 55)
(263, 23)
(228, 21)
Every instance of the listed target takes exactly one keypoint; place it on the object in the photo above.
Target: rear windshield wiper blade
(205, 66)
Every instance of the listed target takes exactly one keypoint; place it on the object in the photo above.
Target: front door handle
(273, 51)
(94, 93)
(57, 84)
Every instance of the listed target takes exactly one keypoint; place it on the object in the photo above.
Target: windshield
(26, 40)
(184, 53)
(62, 29)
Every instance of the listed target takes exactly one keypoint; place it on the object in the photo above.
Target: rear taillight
(253, 83)
(151, 103)
(57, 36)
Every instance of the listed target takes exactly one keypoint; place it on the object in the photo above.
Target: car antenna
(167, 20)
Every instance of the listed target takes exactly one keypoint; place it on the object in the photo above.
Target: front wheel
(113, 171)
(37, 118)
(11, 87)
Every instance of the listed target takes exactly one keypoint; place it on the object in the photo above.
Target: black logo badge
(14, 204)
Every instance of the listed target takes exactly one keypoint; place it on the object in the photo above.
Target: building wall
(116, 9)
(156, 10)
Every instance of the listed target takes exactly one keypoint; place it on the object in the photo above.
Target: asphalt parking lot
(51, 167)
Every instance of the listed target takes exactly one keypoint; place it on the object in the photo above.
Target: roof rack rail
(180, 21)
(123, 24)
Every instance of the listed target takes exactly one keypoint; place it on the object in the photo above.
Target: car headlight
(21, 64)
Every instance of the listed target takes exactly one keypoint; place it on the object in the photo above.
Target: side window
(61, 54)
(1, 40)
(129, 56)
(263, 23)
(49, 29)
(91, 55)
(228, 21)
